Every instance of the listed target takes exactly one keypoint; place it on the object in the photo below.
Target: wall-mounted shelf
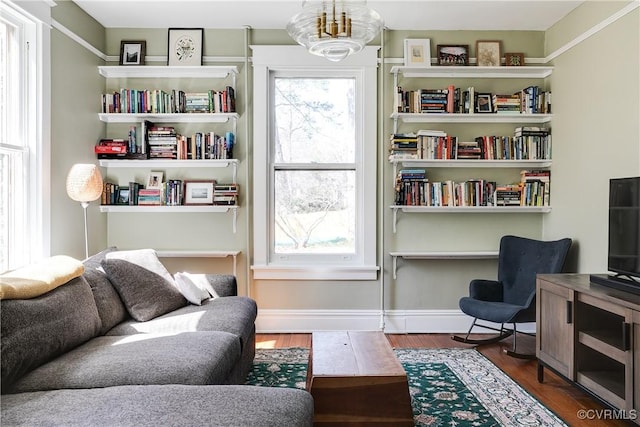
(439, 255)
(167, 117)
(467, 209)
(172, 209)
(471, 118)
(466, 163)
(161, 163)
(168, 253)
(526, 72)
(164, 72)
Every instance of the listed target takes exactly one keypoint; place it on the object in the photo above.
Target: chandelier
(335, 29)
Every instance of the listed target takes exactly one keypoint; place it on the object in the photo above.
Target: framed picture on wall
(185, 46)
(132, 52)
(417, 52)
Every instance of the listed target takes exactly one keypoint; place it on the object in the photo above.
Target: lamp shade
(84, 182)
(335, 29)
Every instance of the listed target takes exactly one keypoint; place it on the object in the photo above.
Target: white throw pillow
(189, 289)
(201, 281)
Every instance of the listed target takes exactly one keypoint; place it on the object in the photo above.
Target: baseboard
(394, 321)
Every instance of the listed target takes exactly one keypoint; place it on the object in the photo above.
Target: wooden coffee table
(356, 379)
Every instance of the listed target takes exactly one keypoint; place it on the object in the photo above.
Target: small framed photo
(488, 53)
(514, 59)
(457, 54)
(484, 103)
(132, 52)
(154, 181)
(185, 46)
(417, 52)
(199, 192)
(123, 196)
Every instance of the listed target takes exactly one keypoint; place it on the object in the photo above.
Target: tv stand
(612, 281)
(590, 335)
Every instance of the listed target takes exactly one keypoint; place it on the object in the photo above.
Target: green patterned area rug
(448, 387)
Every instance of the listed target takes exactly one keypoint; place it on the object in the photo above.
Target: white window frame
(34, 18)
(268, 60)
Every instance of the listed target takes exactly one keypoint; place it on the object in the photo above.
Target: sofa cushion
(39, 278)
(144, 284)
(195, 291)
(36, 330)
(185, 358)
(235, 315)
(165, 405)
(110, 307)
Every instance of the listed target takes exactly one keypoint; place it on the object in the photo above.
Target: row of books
(171, 193)
(528, 143)
(163, 142)
(413, 188)
(159, 101)
(529, 100)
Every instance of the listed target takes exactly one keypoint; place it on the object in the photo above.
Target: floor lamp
(84, 185)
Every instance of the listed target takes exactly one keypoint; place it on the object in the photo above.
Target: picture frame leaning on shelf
(185, 46)
(132, 52)
(199, 192)
(453, 54)
(488, 53)
(154, 181)
(417, 52)
(484, 103)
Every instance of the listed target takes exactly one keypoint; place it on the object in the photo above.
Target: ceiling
(264, 14)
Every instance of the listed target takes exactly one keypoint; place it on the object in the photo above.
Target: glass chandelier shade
(335, 29)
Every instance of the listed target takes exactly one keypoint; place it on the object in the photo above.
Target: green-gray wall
(596, 136)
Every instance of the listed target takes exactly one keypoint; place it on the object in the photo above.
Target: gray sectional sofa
(119, 345)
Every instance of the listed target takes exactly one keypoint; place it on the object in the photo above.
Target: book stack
(109, 193)
(470, 150)
(111, 148)
(507, 195)
(134, 192)
(436, 144)
(411, 187)
(225, 194)
(149, 197)
(403, 146)
(535, 187)
(533, 141)
(197, 102)
(507, 104)
(173, 192)
(433, 100)
(162, 142)
(535, 100)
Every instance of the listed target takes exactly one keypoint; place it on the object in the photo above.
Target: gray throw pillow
(144, 284)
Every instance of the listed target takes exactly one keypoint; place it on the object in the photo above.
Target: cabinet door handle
(626, 336)
(569, 312)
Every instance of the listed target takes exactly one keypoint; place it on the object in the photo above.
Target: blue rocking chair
(512, 298)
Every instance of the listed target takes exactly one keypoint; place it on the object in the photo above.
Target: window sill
(314, 272)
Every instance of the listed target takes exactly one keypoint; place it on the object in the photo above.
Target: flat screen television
(624, 235)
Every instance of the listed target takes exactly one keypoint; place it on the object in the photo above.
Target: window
(20, 215)
(314, 169)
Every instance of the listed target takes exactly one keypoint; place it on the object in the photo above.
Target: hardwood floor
(564, 399)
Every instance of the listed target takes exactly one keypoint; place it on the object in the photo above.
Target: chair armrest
(486, 290)
(225, 285)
